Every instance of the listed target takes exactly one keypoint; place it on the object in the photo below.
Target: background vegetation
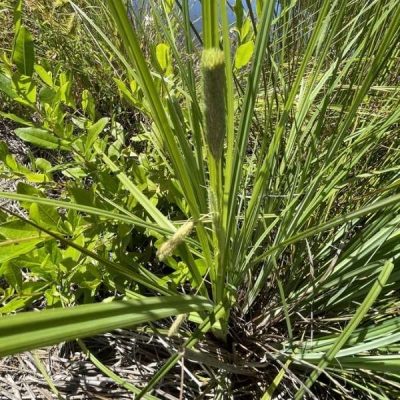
(231, 193)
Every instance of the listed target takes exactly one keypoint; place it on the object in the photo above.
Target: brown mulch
(134, 357)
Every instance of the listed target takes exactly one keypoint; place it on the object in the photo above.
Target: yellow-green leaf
(23, 52)
(168, 5)
(164, 58)
(42, 138)
(244, 54)
(45, 76)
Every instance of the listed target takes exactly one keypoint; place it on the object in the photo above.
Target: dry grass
(71, 372)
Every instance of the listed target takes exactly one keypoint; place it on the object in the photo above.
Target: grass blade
(351, 326)
(26, 331)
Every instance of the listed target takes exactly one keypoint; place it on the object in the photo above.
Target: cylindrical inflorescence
(213, 67)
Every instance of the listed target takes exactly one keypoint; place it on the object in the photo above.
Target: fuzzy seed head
(212, 58)
(167, 248)
(174, 328)
(213, 67)
(184, 230)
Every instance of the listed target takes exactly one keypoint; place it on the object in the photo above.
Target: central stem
(213, 67)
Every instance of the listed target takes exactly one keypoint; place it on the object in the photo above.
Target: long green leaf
(342, 219)
(42, 138)
(109, 215)
(218, 312)
(351, 326)
(158, 111)
(235, 174)
(30, 330)
(108, 372)
(23, 52)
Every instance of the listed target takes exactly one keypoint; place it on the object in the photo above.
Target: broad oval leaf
(13, 248)
(15, 118)
(6, 86)
(94, 131)
(18, 230)
(23, 52)
(42, 138)
(45, 76)
(164, 57)
(12, 274)
(244, 54)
